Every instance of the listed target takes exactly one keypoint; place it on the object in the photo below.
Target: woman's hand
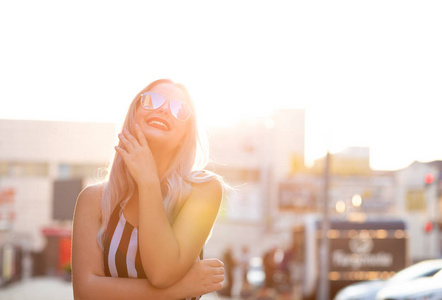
(205, 276)
(137, 155)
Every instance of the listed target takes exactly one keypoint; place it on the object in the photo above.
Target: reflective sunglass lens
(146, 101)
(152, 100)
(180, 110)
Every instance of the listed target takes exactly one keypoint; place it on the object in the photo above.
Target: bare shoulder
(89, 199)
(211, 189)
(92, 191)
(204, 200)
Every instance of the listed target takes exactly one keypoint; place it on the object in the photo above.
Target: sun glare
(370, 84)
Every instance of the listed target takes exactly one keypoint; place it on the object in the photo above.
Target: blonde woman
(139, 235)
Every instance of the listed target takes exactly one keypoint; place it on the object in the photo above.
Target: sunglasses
(179, 109)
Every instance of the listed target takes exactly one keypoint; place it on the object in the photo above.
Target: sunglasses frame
(169, 106)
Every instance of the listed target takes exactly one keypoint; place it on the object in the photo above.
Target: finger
(140, 135)
(217, 278)
(213, 262)
(130, 137)
(217, 286)
(218, 271)
(125, 142)
(121, 151)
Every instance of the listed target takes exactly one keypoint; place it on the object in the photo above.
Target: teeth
(158, 123)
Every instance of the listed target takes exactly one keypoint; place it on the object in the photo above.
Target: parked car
(367, 290)
(425, 288)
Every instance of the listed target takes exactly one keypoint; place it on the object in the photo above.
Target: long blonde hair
(191, 157)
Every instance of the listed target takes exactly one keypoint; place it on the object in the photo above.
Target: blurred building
(274, 190)
(36, 157)
(419, 201)
(253, 156)
(43, 167)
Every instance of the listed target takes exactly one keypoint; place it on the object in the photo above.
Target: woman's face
(159, 125)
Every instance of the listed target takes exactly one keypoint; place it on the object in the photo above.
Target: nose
(164, 109)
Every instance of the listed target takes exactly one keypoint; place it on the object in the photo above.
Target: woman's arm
(167, 251)
(89, 281)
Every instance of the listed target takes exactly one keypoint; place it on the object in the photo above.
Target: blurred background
(321, 114)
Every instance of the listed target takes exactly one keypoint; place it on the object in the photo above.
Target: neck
(162, 159)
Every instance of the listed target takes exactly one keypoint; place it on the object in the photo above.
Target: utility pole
(324, 250)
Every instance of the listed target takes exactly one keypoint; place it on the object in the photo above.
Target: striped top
(121, 252)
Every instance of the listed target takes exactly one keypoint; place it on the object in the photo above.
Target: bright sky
(368, 73)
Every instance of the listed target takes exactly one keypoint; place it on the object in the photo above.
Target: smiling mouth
(158, 123)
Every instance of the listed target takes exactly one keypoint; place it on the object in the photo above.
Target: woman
(140, 233)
